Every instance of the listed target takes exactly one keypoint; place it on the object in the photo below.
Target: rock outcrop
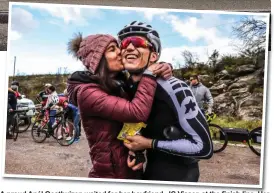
(240, 96)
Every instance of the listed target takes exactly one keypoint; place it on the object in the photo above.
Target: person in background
(65, 94)
(16, 89)
(52, 101)
(43, 95)
(202, 94)
(12, 105)
(72, 114)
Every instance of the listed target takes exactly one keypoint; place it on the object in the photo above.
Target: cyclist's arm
(209, 98)
(9, 89)
(38, 96)
(198, 143)
(48, 102)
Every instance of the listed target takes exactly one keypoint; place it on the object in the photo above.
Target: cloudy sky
(39, 33)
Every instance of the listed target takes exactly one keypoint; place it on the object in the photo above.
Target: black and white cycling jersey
(191, 121)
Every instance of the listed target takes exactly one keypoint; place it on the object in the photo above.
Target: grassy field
(236, 123)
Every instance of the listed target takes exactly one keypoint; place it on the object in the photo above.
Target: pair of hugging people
(176, 135)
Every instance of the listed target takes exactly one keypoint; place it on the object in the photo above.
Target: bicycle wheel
(65, 133)
(254, 140)
(38, 132)
(219, 138)
(15, 129)
(24, 124)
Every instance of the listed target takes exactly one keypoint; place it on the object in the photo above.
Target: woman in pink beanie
(103, 104)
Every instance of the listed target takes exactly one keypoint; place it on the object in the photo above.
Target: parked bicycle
(218, 135)
(15, 122)
(63, 131)
(254, 140)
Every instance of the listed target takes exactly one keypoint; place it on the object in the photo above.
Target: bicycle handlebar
(19, 111)
(22, 110)
(210, 117)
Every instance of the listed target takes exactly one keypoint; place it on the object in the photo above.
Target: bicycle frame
(46, 121)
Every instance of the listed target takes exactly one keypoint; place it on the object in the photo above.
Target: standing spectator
(15, 89)
(12, 103)
(201, 93)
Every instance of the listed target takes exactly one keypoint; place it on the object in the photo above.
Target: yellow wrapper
(130, 129)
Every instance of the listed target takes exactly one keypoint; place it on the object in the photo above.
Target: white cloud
(202, 28)
(14, 35)
(149, 14)
(209, 20)
(55, 22)
(174, 54)
(42, 61)
(191, 28)
(124, 11)
(22, 22)
(70, 15)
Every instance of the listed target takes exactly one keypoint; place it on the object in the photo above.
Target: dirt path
(236, 165)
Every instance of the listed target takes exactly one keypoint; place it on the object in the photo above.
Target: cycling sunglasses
(136, 41)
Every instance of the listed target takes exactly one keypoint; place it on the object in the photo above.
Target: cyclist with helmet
(51, 103)
(177, 133)
(202, 94)
(12, 104)
(43, 95)
(15, 89)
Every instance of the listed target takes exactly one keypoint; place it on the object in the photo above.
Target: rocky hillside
(31, 85)
(239, 94)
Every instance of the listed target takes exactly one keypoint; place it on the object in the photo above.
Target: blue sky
(39, 33)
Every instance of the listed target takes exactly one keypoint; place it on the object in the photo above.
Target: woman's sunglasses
(136, 41)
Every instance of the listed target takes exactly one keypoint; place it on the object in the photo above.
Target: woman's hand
(163, 70)
(131, 164)
(137, 142)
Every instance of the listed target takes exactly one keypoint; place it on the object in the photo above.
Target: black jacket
(163, 115)
(12, 100)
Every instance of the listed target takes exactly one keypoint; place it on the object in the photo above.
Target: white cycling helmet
(48, 85)
(144, 30)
